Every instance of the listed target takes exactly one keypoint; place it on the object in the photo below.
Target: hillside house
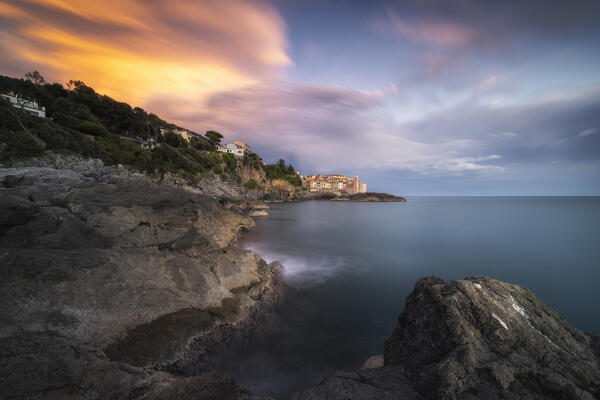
(236, 148)
(29, 106)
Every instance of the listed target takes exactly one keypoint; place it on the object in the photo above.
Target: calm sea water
(349, 267)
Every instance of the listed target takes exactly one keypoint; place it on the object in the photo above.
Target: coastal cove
(299, 200)
(348, 268)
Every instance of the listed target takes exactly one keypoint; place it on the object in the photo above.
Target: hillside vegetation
(83, 122)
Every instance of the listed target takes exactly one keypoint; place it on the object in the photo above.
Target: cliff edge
(476, 338)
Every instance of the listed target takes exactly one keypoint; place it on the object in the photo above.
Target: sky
(416, 97)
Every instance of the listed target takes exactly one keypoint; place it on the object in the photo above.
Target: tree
(252, 159)
(35, 77)
(75, 84)
(175, 140)
(199, 143)
(214, 136)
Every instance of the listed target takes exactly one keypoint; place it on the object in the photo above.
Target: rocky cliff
(110, 284)
(476, 338)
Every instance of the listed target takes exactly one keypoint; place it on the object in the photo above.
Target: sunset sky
(464, 97)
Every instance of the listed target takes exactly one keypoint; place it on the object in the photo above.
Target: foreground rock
(109, 281)
(476, 338)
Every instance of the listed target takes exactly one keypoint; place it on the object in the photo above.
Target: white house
(30, 106)
(236, 148)
(149, 144)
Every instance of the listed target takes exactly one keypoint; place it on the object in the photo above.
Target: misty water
(349, 266)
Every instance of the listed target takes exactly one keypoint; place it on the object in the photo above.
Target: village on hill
(332, 183)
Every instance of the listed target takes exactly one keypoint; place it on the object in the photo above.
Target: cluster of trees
(83, 122)
(281, 171)
(78, 106)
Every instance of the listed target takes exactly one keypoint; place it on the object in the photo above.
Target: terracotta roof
(242, 144)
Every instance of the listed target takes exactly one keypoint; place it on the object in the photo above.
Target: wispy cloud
(462, 164)
(436, 32)
(140, 50)
(440, 33)
(588, 132)
(335, 129)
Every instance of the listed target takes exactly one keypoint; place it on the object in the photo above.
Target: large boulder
(476, 338)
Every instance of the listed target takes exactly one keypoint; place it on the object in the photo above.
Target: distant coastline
(368, 197)
(371, 197)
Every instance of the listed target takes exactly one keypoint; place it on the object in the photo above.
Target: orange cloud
(138, 51)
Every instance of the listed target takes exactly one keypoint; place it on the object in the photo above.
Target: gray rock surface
(104, 272)
(386, 383)
(49, 367)
(476, 338)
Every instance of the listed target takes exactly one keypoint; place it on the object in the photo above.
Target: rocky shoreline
(115, 286)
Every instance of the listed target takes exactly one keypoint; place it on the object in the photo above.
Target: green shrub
(230, 162)
(175, 140)
(251, 185)
(93, 128)
(199, 143)
(20, 144)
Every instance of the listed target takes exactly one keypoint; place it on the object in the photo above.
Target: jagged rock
(476, 338)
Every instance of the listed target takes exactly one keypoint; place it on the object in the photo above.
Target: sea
(348, 268)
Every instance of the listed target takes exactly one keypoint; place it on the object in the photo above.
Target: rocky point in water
(476, 338)
(370, 197)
